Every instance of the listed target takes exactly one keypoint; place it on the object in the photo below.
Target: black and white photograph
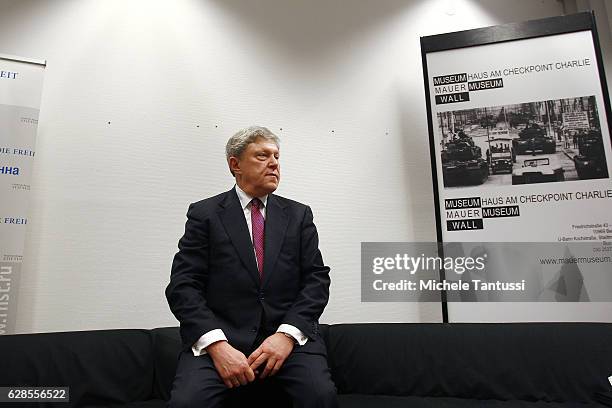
(532, 142)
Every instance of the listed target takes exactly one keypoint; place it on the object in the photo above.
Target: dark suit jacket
(215, 283)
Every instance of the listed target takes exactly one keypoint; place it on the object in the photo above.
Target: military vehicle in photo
(462, 162)
(539, 170)
(501, 155)
(533, 140)
(590, 162)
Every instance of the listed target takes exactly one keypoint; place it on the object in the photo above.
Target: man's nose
(273, 162)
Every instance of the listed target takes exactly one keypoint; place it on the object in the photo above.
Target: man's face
(257, 170)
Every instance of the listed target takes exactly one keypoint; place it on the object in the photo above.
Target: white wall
(141, 95)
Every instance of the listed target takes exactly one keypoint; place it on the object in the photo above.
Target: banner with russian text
(21, 82)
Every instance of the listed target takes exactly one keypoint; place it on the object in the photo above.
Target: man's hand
(231, 364)
(274, 351)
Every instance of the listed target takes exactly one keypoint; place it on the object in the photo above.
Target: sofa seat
(547, 365)
(154, 403)
(376, 401)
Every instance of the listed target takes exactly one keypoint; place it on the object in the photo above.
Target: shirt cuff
(293, 332)
(208, 338)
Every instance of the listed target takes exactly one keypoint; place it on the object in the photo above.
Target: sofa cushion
(154, 403)
(555, 362)
(377, 401)
(101, 367)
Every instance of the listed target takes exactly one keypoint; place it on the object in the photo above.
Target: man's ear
(234, 165)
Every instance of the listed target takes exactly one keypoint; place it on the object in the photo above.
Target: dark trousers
(304, 377)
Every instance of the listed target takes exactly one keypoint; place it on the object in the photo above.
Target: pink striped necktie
(257, 225)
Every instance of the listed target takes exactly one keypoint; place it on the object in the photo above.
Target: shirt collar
(245, 199)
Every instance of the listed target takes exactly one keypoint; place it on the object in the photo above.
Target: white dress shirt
(215, 335)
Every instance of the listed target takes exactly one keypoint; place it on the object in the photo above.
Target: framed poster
(21, 82)
(519, 133)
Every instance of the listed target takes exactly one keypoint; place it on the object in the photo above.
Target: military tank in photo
(590, 162)
(462, 163)
(533, 140)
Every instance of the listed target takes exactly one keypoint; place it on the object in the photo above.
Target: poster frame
(551, 26)
(26, 60)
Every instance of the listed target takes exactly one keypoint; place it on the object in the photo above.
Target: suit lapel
(232, 217)
(276, 227)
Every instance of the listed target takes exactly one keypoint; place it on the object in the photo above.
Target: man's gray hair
(241, 139)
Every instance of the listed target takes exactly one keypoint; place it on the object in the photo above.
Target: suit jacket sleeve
(314, 286)
(185, 292)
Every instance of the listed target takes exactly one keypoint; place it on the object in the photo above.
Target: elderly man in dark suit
(248, 285)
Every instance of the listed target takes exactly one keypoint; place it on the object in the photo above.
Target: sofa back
(166, 349)
(101, 367)
(558, 362)
(517, 361)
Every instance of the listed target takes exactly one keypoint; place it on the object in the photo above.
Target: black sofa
(373, 365)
